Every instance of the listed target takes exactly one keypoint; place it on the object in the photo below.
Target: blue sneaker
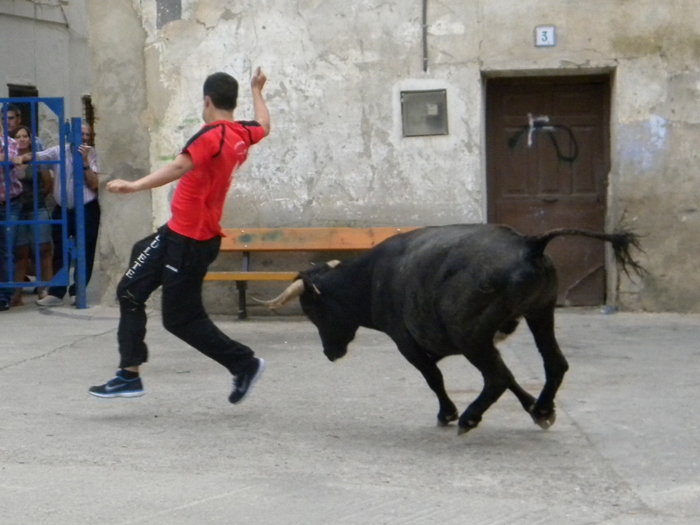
(244, 381)
(118, 387)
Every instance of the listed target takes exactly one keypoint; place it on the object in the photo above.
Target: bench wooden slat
(305, 239)
(250, 276)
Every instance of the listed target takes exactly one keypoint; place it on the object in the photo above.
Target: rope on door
(542, 124)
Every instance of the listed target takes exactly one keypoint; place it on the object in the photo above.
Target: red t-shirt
(216, 151)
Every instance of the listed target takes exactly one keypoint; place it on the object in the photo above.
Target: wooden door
(547, 142)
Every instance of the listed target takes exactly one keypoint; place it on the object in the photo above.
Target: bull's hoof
(444, 421)
(463, 429)
(543, 419)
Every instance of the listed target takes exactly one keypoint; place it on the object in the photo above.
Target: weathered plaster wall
(657, 160)
(336, 154)
(45, 44)
(117, 42)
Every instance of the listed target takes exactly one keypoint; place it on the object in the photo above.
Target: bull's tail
(622, 241)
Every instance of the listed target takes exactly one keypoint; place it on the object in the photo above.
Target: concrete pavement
(351, 442)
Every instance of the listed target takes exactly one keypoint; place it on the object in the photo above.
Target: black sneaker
(118, 387)
(4, 305)
(244, 381)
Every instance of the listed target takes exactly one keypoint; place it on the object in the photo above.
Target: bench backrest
(301, 239)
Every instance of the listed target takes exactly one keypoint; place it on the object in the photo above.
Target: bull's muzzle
(334, 352)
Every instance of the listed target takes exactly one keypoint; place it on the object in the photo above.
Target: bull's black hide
(449, 290)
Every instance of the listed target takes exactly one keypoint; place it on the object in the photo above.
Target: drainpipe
(425, 35)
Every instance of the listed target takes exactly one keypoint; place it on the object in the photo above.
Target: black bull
(448, 290)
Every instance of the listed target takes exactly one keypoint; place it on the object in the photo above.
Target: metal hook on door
(534, 123)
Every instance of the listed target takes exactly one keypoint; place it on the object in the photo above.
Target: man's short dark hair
(222, 89)
(11, 107)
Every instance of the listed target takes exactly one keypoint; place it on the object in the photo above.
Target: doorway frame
(613, 215)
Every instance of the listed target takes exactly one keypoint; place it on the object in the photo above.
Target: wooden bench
(255, 240)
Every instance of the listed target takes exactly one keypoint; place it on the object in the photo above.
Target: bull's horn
(333, 263)
(294, 290)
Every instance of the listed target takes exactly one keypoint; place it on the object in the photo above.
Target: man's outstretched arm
(170, 172)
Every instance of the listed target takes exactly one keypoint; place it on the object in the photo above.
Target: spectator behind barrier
(10, 201)
(24, 233)
(92, 211)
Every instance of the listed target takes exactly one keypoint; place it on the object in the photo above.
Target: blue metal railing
(69, 138)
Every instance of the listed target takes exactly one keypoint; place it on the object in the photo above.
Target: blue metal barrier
(69, 139)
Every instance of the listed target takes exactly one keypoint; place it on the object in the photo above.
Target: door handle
(550, 199)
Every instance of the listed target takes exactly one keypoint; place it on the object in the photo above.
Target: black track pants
(179, 265)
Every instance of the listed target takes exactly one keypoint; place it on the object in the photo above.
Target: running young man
(177, 256)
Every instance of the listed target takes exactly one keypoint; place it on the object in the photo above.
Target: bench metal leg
(242, 311)
(242, 285)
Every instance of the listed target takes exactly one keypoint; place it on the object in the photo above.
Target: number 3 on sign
(544, 36)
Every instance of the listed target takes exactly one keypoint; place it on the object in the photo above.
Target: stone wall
(117, 43)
